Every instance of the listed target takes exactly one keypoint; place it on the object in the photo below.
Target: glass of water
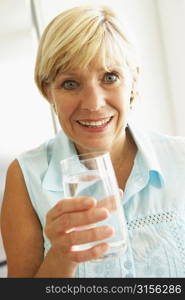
(92, 175)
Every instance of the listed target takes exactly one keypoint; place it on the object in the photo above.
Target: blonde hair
(77, 36)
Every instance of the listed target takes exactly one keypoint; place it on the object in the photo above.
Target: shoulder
(14, 168)
(36, 160)
(169, 152)
(161, 144)
(30, 163)
(14, 173)
(15, 193)
(37, 152)
(15, 179)
(157, 141)
(168, 143)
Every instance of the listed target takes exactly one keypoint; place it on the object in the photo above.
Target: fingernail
(88, 202)
(109, 230)
(102, 213)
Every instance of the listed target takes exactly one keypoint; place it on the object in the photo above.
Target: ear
(135, 79)
(134, 92)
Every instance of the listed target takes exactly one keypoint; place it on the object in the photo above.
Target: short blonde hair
(77, 36)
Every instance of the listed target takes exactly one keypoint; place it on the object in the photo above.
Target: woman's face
(93, 105)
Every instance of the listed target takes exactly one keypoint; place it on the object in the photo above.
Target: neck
(122, 157)
(122, 150)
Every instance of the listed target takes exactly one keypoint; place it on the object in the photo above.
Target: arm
(21, 229)
(22, 232)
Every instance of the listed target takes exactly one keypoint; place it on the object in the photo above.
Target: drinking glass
(92, 174)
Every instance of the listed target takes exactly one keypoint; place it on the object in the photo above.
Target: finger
(85, 236)
(111, 203)
(70, 205)
(91, 254)
(68, 222)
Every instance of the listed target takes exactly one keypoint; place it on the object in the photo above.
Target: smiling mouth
(95, 124)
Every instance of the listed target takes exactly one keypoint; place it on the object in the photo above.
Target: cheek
(65, 110)
(123, 99)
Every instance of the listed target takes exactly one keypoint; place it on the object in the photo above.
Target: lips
(95, 123)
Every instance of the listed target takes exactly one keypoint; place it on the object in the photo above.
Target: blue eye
(110, 77)
(70, 84)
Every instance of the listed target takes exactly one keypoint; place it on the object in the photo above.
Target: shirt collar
(147, 155)
(62, 148)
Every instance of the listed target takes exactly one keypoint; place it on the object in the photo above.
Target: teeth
(95, 124)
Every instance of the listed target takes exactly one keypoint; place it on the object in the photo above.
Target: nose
(93, 97)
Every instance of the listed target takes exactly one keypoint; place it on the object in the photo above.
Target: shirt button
(128, 264)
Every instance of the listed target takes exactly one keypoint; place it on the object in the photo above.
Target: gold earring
(54, 107)
(131, 98)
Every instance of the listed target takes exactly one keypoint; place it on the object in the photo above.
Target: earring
(131, 98)
(54, 107)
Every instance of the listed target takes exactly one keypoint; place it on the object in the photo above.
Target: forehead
(103, 58)
(100, 54)
(96, 64)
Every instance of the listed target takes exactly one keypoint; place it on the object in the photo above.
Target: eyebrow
(74, 73)
(100, 69)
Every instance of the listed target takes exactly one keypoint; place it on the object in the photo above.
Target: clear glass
(92, 174)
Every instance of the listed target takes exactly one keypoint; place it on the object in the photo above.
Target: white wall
(172, 25)
(25, 119)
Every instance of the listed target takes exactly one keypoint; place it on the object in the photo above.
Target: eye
(110, 77)
(69, 84)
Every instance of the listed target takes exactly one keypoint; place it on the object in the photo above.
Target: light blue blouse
(153, 202)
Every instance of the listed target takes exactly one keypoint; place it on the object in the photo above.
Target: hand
(110, 203)
(70, 214)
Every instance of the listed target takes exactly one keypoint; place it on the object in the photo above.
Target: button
(128, 264)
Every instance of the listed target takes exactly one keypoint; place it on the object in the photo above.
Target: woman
(87, 70)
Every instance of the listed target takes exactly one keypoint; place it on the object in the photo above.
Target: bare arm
(21, 229)
(22, 232)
